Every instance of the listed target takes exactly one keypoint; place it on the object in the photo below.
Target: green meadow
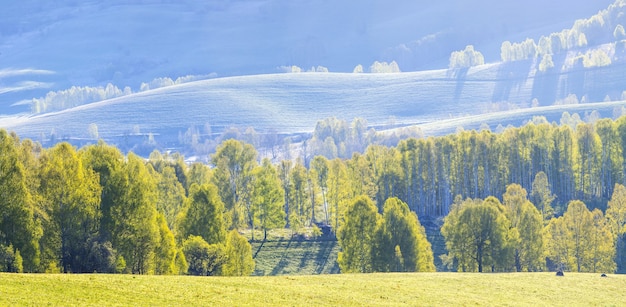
(406, 289)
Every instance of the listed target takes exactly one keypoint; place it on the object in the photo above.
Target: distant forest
(94, 209)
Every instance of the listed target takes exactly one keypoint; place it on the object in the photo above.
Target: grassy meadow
(417, 289)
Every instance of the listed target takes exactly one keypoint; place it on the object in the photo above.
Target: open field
(423, 289)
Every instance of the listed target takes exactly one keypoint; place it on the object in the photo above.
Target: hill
(87, 43)
(582, 65)
(437, 101)
(536, 289)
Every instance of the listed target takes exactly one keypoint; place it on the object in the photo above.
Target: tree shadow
(323, 253)
(510, 75)
(460, 74)
(283, 262)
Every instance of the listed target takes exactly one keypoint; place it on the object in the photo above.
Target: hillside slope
(439, 101)
(91, 43)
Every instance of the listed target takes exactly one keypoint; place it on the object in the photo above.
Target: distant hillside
(438, 101)
(572, 70)
(127, 42)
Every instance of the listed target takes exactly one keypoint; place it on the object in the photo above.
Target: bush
(10, 259)
(204, 259)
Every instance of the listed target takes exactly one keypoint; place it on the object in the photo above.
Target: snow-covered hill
(126, 42)
(439, 100)
(55, 45)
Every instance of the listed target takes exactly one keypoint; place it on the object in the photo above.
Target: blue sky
(90, 43)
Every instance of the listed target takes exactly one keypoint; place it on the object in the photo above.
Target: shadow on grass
(280, 266)
(323, 254)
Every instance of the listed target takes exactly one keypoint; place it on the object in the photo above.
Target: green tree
(338, 192)
(356, 236)
(299, 210)
(616, 215)
(135, 232)
(526, 221)
(541, 196)
(204, 259)
(71, 199)
(478, 236)
(234, 162)
(385, 165)
(202, 215)
(239, 256)
(401, 235)
(268, 199)
(199, 173)
(17, 221)
(580, 241)
(107, 162)
(165, 249)
(530, 245)
(171, 195)
(284, 174)
(320, 166)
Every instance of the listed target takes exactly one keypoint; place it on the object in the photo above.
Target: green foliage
(385, 164)
(204, 259)
(338, 192)
(10, 260)
(203, 215)
(400, 243)
(71, 199)
(135, 232)
(239, 256)
(356, 236)
(529, 249)
(17, 221)
(199, 174)
(107, 162)
(165, 250)
(298, 197)
(477, 236)
(268, 198)
(541, 195)
(616, 219)
(526, 229)
(234, 162)
(171, 195)
(580, 240)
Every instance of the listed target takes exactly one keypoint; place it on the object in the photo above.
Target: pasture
(416, 289)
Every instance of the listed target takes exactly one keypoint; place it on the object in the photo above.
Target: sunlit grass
(419, 289)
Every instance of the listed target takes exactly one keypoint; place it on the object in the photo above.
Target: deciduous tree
(400, 243)
(356, 236)
(268, 198)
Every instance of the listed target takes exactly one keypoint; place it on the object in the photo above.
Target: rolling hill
(437, 101)
(79, 44)
(92, 43)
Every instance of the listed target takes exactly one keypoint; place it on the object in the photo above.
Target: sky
(53, 45)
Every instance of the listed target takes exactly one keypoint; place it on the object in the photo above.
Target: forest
(544, 196)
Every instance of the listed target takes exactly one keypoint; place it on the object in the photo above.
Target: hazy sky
(129, 42)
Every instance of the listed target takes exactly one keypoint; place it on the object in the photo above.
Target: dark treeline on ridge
(96, 210)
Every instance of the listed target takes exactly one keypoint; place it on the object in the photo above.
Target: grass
(294, 257)
(423, 289)
(284, 254)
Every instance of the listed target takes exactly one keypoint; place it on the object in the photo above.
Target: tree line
(489, 235)
(94, 209)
